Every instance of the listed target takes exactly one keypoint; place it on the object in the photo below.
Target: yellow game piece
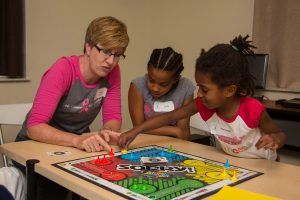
(224, 174)
(124, 151)
(234, 178)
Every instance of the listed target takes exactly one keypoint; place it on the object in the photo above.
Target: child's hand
(126, 138)
(268, 141)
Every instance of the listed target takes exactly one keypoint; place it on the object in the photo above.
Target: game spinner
(179, 176)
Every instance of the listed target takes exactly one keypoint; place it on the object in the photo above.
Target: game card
(59, 153)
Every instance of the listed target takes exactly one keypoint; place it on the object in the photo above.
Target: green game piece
(135, 186)
(170, 149)
(144, 187)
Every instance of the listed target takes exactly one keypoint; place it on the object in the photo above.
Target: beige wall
(57, 27)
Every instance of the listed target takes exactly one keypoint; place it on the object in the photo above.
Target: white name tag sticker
(101, 93)
(216, 129)
(163, 106)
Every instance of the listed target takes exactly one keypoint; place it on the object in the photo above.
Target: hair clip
(235, 48)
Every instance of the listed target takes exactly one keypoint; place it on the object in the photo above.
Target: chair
(12, 114)
(11, 177)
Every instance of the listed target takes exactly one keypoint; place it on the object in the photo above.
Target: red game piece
(111, 153)
(97, 161)
(104, 160)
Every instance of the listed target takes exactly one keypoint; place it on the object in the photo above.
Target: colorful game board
(183, 177)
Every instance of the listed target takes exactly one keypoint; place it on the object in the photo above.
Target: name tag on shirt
(101, 93)
(216, 129)
(163, 106)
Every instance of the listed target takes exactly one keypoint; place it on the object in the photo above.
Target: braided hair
(166, 59)
(227, 65)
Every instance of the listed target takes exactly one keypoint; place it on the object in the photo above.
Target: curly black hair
(227, 65)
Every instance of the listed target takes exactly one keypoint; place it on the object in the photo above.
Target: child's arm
(173, 131)
(135, 105)
(184, 124)
(136, 110)
(273, 137)
(158, 121)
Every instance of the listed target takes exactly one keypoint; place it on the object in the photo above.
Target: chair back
(12, 114)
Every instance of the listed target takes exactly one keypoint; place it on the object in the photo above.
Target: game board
(183, 177)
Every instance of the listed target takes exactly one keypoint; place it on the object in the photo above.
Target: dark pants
(5, 194)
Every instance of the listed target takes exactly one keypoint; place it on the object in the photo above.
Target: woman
(72, 92)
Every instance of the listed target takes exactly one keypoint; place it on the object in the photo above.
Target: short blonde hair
(109, 32)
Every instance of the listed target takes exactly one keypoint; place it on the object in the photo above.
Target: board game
(184, 176)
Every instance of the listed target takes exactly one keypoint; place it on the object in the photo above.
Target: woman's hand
(91, 142)
(111, 137)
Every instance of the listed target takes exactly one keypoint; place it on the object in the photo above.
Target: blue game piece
(162, 153)
(227, 165)
(131, 156)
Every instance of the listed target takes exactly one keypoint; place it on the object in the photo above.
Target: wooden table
(288, 119)
(278, 111)
(279, 179)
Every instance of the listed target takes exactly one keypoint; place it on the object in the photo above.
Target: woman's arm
(114, 125)
(54, 84)
(111, 109)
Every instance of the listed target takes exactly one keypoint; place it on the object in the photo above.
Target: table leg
(31, 177)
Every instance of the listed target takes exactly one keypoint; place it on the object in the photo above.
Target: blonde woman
(73, 91)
